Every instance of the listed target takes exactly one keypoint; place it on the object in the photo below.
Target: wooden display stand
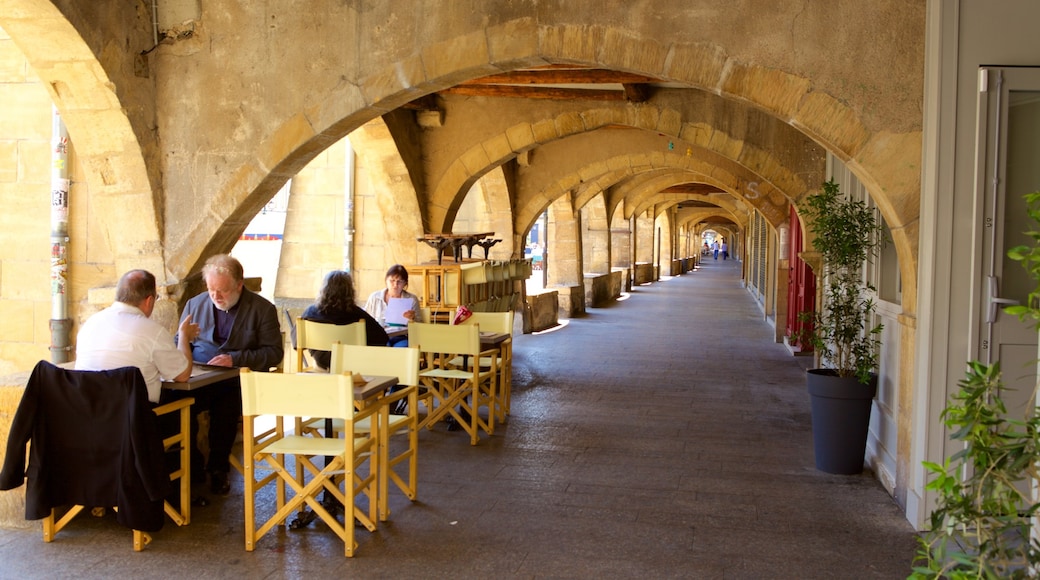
(482, 285)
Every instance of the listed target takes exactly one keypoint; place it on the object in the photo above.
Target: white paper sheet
(395, 309)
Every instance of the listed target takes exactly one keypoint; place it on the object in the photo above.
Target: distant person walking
(725, 250)
(715, 249)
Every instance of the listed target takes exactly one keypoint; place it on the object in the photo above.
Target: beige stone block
(545, 131)
(33, 105)
(16, 320)
(569, 124)
(90, 240)
(521, 137)
(644, 116)
(832, 123)
(13, 66)
(12, 503)
(85, 278)
(581, 42)
(498, 149)
(513, 43)
(101, 132)
(697, 134)
(25, 221)
(591, 171)
(139, 242)
(337, 115)
(458, 58)
(602, 116)
(84, 86)
(34, 162)
(670, 122)
(900, 180)
(771, 89)
(286, 140)
(475, 160)
(698, 64)
(9, 161)
(404, 75)
(300, 282)
(628, 52)
(19, 357)
(726, 144)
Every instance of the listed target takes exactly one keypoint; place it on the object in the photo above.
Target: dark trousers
(223, 400)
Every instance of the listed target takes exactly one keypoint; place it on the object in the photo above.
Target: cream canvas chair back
(445, 386)
(402, 363)
(321, 336)
(444, 338)
(492, 321)
(284, 395)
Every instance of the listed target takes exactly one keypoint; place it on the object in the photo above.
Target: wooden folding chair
(454, 390)
(498, 322)
(292, 396)
(402, 363)
(95, 443)
(179, 441)
(320, 336)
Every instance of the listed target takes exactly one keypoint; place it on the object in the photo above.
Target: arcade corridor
(666, 436)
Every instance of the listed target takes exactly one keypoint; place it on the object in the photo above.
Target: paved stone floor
(666, 436)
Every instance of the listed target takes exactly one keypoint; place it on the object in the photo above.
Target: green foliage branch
(847, 233)
(980, 525)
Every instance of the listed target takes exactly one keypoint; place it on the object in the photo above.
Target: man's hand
(221, 360)
(188, 330)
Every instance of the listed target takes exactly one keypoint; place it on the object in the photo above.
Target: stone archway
(106, 146)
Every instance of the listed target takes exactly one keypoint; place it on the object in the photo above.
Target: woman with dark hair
(396, 282)
(336, 305)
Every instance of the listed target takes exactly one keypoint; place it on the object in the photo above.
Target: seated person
(237, 328)
(125, 335)
(336, 305)
(396, 282)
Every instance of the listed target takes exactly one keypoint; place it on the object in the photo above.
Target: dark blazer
(95, 442)
(256, 336)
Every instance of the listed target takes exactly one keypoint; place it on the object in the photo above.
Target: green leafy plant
(980, 525)
(846, 234)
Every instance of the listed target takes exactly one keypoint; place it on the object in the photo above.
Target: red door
(801, 292)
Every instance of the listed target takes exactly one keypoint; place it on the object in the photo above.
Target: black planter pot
(840, 420)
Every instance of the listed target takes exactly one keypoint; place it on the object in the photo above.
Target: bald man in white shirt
(125, 335)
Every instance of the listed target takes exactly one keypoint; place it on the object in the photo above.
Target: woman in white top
(396, 282)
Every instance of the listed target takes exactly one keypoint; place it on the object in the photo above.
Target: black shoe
(219, 483)
(453, 425)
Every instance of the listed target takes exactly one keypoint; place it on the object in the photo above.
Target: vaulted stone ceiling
(729, 156)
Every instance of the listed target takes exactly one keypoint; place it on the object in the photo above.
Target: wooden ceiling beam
(693, 188)
(637, 92)
(562, 77)
(535, 92)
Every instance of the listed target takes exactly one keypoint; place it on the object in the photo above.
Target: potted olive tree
(846, 234)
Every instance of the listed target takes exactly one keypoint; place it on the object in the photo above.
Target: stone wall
(12, 502)
(602, 289)
(544, 310)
